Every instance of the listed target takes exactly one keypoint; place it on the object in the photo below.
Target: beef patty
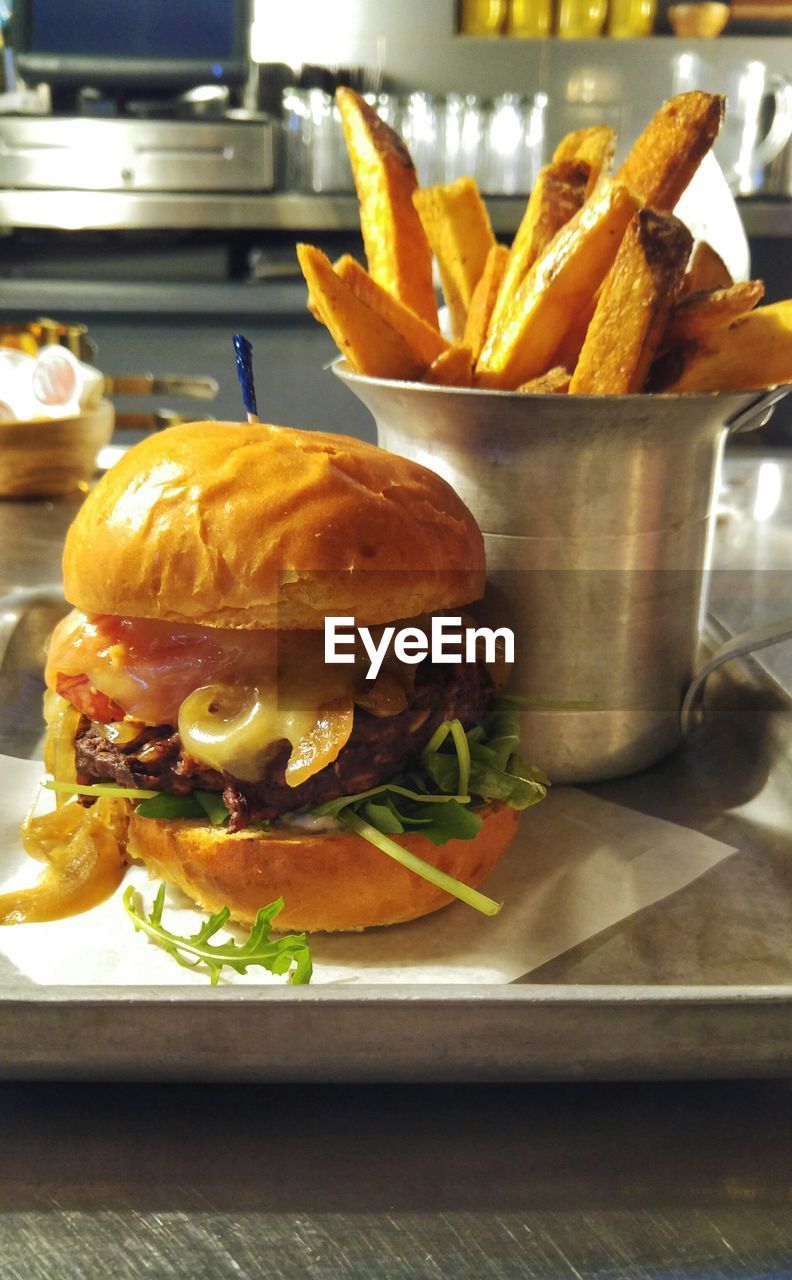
(378, 748)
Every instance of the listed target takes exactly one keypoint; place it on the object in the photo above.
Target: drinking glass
(420, 132)
(514, 144)
(297, 131)
(463, 137)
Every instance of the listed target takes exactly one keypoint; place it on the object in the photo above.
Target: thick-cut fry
(556, 290)
(555, 382)
(425, 341)
(397, 251)
(706, 270)
(593, 146)
(483, 300)
(753, 352)
(633, 307)
(671, 147)
(458, 229)
(367, 341)
(571, 345)
(559, 192)
(699, 313)
(453, 368)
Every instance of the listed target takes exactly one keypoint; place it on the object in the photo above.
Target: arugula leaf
(290, 953)
(98, 789)
(164, 805)
(384, 817)
(456, 774)
(212, 804)
(453, 822)
(464, 892)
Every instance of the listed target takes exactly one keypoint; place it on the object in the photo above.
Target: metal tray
(699, 985)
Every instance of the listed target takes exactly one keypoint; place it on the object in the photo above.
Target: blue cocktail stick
(244, 364)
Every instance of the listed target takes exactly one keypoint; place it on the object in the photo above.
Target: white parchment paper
(578, 865)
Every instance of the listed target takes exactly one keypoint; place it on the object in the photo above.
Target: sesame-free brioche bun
(329, 882)
(253, 526)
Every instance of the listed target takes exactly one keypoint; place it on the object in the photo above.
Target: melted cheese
(234, 729)
(219, 687)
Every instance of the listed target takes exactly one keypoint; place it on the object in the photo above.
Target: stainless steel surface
(69, 210)
(75, 154)
(27, 619)
(166, 384)
(604, 595)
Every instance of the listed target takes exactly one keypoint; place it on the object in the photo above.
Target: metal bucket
(597, 519)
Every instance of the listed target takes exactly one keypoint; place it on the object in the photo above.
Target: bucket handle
(738, 647)
(759, 412)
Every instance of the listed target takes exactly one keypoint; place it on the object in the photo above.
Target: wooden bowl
(707, 19)
(50, 456)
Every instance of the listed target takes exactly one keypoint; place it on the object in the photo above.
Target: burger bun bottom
(329, 882)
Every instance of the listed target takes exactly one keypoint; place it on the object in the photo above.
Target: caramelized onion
(122, 733)
(83, 849)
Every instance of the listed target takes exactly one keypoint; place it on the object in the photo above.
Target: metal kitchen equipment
(597, 514)
(71, 153)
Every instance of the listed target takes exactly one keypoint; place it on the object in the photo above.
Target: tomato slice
(81, 694)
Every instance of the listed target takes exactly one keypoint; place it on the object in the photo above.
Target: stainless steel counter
(450, 1183)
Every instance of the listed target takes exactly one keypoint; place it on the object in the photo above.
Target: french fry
(426, 341)
(751, 353)
(706, 270)
(571, 344)
(397, 251)
(593, 146)
(671, 147)
(697, 314)
(633, 307)
(554, 382)
(368, 342)
(483, 300)
(559, 192)
(452, 368)
(458, 229)
(556, 290)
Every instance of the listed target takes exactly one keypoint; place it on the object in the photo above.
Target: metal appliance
(125, 154)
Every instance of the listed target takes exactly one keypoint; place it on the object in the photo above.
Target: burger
(190, 680)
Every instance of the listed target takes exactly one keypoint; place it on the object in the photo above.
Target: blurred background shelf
(283, 211)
